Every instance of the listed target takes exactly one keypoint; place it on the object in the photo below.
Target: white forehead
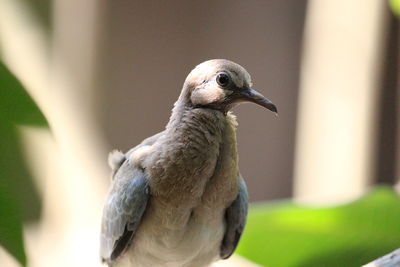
(208, 69)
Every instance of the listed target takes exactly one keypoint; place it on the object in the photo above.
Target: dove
(178, 199)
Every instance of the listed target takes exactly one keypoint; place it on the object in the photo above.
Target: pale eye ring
(223, 79)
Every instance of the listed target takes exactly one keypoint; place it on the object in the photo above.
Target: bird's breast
(195, 169)
(180, 175)
(191, 185)
(185, 158)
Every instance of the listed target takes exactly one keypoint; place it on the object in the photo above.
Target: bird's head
(222, 84)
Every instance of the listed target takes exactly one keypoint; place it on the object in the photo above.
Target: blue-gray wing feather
(126, 203)
(235, 219)
(123, 211)
(117, 158)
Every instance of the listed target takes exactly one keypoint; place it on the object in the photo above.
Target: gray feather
(116, 158)
(235, 219)
(125, 204)
(123, 211)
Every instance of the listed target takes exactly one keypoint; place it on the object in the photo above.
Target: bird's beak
(252, 95)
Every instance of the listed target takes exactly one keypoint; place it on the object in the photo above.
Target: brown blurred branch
(389, 260)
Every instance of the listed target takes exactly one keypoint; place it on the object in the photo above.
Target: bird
(178, 199)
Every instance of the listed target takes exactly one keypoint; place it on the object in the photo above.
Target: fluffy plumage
(178, 199)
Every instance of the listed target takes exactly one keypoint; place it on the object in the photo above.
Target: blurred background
(79, 78)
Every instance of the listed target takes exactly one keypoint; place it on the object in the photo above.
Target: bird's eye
(223, 79)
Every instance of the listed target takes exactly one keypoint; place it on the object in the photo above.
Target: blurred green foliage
(284, 234)
(19, 199)
(395, 5)
(41, 9)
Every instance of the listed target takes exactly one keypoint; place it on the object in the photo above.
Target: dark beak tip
(274, 109)
(270, 106)
(252, 95)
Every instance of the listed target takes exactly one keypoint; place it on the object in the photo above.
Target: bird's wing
(123, 211)
(116, 158)
(235, 219)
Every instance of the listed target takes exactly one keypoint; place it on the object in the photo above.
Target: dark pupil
(223, 79)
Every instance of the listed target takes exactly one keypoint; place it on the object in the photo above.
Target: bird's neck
(187, 156)
(186, 119)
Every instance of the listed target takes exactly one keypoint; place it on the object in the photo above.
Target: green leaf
(10, 223)
(395, 5)
(16, 106)
(19, 199)
(284, 234)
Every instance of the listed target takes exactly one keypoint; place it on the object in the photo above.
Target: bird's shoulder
(135, 155)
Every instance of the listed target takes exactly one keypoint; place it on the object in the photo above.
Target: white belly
(194, 243)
